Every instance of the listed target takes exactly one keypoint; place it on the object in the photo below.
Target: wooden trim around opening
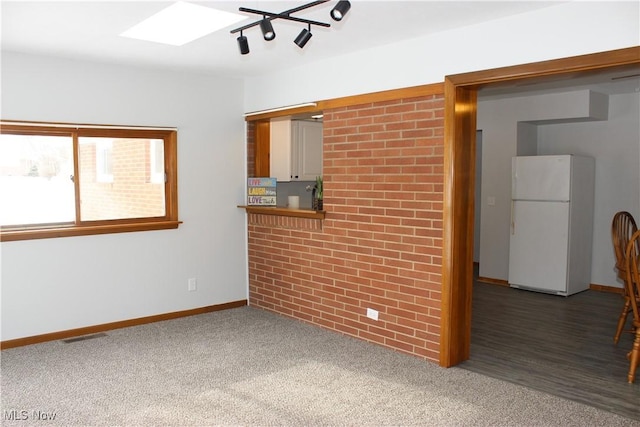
(19, 342)
(346, 101)
(458, 216)
(552, 68)
(458, 221)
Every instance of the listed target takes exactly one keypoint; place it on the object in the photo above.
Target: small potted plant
(318, 199)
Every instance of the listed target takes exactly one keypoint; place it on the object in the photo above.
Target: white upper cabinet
(280, 158)
(306, 153)
(296, 150)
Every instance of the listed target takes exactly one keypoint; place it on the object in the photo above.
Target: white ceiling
(89, 30)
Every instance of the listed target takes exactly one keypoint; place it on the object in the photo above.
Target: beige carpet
(250, 367)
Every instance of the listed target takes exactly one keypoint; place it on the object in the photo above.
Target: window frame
(83, 228)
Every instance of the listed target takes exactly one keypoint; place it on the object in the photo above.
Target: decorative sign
(261, 191)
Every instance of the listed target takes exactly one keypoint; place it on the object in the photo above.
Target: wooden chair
(622, 228)
(632, 257)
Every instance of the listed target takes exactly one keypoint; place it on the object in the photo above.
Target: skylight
(182, 23)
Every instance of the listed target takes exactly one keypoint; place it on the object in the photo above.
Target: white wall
(569, 29)
(52, 285)
(56, 284)
(614, 143)
(509, 129)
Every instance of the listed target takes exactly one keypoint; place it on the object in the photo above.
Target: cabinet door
(280, 159)
(307, 151)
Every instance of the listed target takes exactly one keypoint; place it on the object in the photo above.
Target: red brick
(380, 244)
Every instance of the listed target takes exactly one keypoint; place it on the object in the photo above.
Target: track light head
(267, 29)
(243, 44)
(303, 37)
(340, 10)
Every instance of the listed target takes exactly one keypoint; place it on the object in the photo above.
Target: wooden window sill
(67, 231)
(273, 210)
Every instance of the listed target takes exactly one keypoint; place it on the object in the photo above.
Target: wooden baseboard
(36, 339)
(605, 288)
(491, 281)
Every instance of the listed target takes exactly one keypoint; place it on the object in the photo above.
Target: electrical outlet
(193, 284)
(372, 314)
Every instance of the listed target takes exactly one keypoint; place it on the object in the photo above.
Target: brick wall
(380, 245)
(251, 149)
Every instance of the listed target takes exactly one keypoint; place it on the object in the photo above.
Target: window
(64, 180)
(103, 147)
(156, 161)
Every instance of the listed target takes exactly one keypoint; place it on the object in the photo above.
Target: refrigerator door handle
(513, 219)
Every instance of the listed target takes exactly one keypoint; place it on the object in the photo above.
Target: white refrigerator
(551, 223)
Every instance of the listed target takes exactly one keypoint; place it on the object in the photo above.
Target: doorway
(459, 184)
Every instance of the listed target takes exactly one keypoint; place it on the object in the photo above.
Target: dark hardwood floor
(559, 345)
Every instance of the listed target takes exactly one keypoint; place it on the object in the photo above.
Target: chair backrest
(623, 227)
(632, 265)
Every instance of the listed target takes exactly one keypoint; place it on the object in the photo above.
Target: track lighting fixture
(267, 29)
(243, 44)
(337, 13)
(341, 9)
(303, 37)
